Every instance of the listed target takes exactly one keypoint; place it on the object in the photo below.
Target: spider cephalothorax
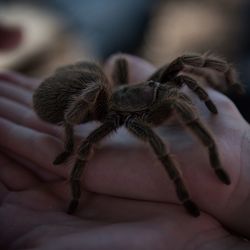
(81, 92)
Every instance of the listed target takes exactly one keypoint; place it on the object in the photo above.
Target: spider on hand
(81, 92)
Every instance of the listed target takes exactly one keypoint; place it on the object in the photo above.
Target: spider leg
(168, 72)
(207, 76)
(75, 114)
(189, 116)
(120, 72)
(83, 155)
(221, 66)
(145, 133)
(197, 89)
(157, 75)
(68, 145)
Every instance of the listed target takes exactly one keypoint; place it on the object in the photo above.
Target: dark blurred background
(38, 36)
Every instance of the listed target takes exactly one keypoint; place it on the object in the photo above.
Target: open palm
(128, 202)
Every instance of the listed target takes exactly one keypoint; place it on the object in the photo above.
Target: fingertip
(138, 68)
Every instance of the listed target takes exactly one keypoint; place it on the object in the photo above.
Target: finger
(20, 80)
(138, 69)
(23, 115)
(42, 174)
(38, 148)
(16, 93)
(14, 176)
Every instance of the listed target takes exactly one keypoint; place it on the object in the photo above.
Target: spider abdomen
(53, 97)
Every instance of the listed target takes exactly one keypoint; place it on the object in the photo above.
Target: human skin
(128, 201)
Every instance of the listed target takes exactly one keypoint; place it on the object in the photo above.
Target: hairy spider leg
(198, 90)
(189, 116)
(75, 114)
(208, 77)
(236, 87)
(120, 71)
(68, 145)
(144, 132)
(168, 72)
(82, 158)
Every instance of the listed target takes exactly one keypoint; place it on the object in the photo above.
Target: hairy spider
(81, 92)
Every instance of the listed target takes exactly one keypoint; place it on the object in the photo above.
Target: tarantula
(81, 92)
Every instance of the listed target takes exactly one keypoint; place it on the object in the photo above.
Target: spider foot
(211, 106)
(223, 176)
(61, 158)
(192, 208)
(72, 206)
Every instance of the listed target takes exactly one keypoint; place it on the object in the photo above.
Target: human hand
(34, 193)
